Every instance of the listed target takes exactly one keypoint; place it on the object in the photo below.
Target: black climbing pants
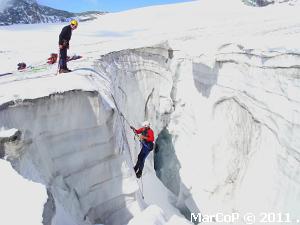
(63, 58)
(146, 148)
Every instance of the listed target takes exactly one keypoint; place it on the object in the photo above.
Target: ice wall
(227, 128)
(76, 143)
(144, 83)
(232, 119)
(236, 130)
(68, 144)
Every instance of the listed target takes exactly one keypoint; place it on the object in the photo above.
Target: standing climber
(64, 39)
(147, 139)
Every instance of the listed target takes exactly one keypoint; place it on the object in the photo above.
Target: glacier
(220, 88)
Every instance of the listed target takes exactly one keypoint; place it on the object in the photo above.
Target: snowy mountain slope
(29, 12)
(221, 91)
(262, 3)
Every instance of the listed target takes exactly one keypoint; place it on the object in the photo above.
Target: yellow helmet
(74, 22)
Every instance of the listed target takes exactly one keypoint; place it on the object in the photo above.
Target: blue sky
(103, 5)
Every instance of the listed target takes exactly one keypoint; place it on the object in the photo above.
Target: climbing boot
(139, 174)
(63, 71)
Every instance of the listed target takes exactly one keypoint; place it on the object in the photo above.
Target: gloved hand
(132, 127)
(142, 137)
(65, 44)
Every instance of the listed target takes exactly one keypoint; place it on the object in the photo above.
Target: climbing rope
(121, 114)
(124, 119)
(142, 185)
(124, 134)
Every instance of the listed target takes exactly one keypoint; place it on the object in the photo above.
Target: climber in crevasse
(146, 138)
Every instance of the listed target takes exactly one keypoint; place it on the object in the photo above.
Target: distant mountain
(261, 3)
(29, 12)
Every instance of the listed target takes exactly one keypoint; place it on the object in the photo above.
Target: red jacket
(149, 135)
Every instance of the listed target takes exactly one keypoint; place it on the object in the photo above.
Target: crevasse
(228, 136)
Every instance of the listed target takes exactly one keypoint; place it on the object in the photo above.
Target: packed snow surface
(219, 82)
(22, 201)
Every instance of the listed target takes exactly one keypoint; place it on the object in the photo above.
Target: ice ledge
(19, 90)
(7, 133)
